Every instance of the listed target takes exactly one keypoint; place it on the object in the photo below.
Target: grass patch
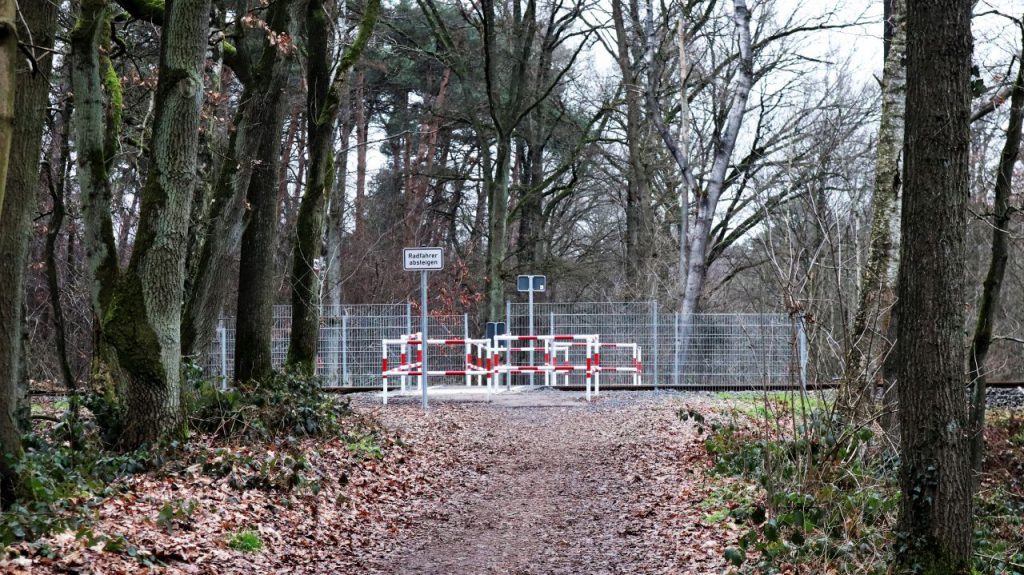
(247, 541)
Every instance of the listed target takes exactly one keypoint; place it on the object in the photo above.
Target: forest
(172, 169)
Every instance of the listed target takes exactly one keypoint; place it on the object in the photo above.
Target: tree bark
(96, 123)
(336, 210)
(935, 519)
(143, 326)
(865, 344)
(992, 288)
(362, 121)
(323, 102)
(21, 181)
(258, 122)
(707, 199)
(638, 194)
(55, 169)
(8, 85)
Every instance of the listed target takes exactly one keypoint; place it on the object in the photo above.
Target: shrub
(285, 403)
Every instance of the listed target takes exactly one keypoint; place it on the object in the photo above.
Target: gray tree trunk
(936, 510)
(22, 182)
(707, 199)
(264, 71)
(8, 84)
(96, 125)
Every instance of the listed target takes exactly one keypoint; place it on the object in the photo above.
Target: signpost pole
(532, 343)
(423, 332)
(423, 260)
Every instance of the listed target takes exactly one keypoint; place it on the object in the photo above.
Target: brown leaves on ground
(545, 485)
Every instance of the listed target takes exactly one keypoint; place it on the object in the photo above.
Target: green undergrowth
(810, 494)
(287, 402)
(250, 437)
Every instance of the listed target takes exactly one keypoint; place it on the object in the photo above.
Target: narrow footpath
(542, 482)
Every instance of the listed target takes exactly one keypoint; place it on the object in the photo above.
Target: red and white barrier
(484, 362)
(412, 344)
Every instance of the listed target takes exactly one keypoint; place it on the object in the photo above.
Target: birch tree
(866, 344)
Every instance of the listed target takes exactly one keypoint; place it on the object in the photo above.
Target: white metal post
(531, 328)
(384, 369)
(469, 349)
(344, 348)
(423, 335)
(403, 352)
(223, 355)
(654, 342)
(675, 355)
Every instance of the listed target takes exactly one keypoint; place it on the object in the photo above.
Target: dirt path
(544, 483)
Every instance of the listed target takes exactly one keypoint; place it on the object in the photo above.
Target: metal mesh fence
(713, 351)
(350, 341)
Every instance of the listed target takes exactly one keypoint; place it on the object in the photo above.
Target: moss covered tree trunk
(96, 125)
(143, 324)
(935, 519)
(21, 182)
(323, 100)
(867, 345)
(998, 259)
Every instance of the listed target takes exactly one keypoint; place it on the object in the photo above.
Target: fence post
(508, 316)
(803, 354)
(408, 318)
(223, 333)
(344, 347)
(654, 341)
(675, 354)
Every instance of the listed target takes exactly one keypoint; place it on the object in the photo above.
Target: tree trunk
(497, 230)
(322, 104)
(992, 288)
(56, 168)
(638, 194)
(96, 123)
(336, 211)
(143, 326)
(935, 519)
(707, 199)
(256, 269)
(257, 132)
(865, 344)
(8, 85)
(362, 121)
(21, 181)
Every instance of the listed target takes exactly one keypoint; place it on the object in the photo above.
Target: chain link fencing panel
(713, 351)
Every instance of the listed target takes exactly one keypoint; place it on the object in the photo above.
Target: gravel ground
(1006, 398)
(548, 484)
